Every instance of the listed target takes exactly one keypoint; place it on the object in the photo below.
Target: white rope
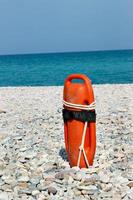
(79, 106)
(81, 147)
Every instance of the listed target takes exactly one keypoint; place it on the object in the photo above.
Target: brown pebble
(91, 180)
(23, 185)
(60, 176)
(52, 190)
(130, 184)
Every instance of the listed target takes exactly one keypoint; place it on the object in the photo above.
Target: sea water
(51, 69)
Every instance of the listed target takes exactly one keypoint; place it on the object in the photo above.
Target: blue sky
(33, 26)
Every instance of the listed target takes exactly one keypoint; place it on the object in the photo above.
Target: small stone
(4, 177)
(91, 170)
(30, 155)
(1, 182)
(91, 189)
(78, 176)
(103, 177)
(24, 196)
(60, 182)
(1, 172)
(70, 180)
(91, 179)
(124, 191)
(19, 126)
(130, 184)
(25, 191)
(49, 179)
(52, 190)
(42, 158)
(10, 181)
(22, 160)
(23, 185)
(84, 192)
(43, 185)
(64, 175)
(23, 149)
(128, 175)
(123, 181)
(42, 197)
(107, 187)
(60, 175)
(116, 196)
(35, 192)
(106, 195)
(6, 188)
(3, 136)
(23, 178)
(130, 193)
(2, 111)
(4, 196)
(35, 180)
(77, 192)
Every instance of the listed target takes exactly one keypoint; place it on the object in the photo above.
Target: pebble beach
(33, 161)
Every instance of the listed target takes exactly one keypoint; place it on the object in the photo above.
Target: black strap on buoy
(84, 115)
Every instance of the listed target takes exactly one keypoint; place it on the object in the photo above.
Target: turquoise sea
(51, 69)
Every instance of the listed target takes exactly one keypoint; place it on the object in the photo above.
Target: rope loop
(79, 106)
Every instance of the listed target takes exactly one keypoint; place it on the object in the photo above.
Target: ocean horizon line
(64, 52)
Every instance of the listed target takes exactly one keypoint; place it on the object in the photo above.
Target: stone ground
(33, 162)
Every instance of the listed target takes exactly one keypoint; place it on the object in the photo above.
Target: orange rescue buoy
(79, 121)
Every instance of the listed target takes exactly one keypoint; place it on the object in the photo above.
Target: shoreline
(44, 86)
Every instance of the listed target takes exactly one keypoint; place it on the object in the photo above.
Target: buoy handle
(78, 76)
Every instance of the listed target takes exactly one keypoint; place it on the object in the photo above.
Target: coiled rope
(81, 107)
